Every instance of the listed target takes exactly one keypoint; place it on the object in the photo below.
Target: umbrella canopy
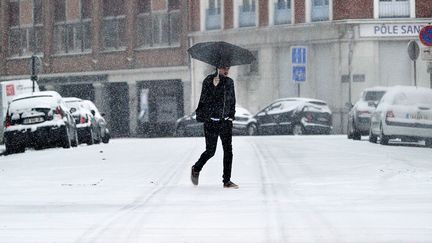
(221, 54)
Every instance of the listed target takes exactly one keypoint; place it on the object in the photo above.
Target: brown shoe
(230, 184)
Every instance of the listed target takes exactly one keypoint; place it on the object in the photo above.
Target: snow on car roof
(40, 93)
(71, 99)
(40, 101)
(377, 88)
(408, 95)
(241, 110)
(301, 99)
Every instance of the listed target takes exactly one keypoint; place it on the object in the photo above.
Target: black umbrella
(221, 54)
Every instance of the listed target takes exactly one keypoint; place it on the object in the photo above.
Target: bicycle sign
(425, 35)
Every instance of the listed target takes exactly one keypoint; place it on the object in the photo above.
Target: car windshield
(374, 95)
(74, 104)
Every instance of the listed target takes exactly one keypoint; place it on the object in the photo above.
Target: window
(72, 30)
(213, 15)
(247, 13)
(282, 12)
(25, 29)
(394, 8)
(320, 10)
(114, 24)
(144, 6)
(161, 27)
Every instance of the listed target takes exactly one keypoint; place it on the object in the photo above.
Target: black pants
(212, 130)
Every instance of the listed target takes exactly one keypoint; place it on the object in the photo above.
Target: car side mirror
(72, 110)
(93, 112)
(349, 105)
(102, 114)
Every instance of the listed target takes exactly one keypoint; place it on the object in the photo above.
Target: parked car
(359, 116)
(38, 119)
(243, 124)
(84, 120)
(404, 112)
(295, 116)
(103, 132)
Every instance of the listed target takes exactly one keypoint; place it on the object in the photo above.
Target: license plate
(419, 116)
(322, 119)
(33, 120)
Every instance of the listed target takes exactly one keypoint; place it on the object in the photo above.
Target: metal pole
(415, 73)
(298, 90)
(33, 72)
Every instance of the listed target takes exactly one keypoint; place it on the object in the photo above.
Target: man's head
(223, 71)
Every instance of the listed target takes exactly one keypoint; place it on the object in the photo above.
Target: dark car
(360, 114)
(38, 120)
(243, 124)
(295, 116)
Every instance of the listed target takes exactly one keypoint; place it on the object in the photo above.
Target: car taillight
(309, 117)
(8, 121)
(58, 112)
(390, 114)
(83, 120)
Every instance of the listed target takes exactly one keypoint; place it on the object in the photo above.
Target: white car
(404, 112)
(103, 132)
(359, 116)
(84, 119)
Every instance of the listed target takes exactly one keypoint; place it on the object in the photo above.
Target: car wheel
(356, 135)
(66, 141)
(349, 131)
(180, 131)
(383, 138)
(11, 149)
(251, 129)
(98, 137)
(372, 137)
(106, 138)
(90, 137)
(298, 129)
(75, 141)
(428, 142)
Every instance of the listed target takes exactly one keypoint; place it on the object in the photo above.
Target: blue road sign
(425, 35)
(299, 74)
(298, 55)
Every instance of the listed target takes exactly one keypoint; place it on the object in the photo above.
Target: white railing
(396, 9)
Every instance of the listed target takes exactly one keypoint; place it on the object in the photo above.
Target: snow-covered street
(292, 189)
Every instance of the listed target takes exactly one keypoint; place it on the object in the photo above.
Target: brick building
(129, 56)
(350, 45)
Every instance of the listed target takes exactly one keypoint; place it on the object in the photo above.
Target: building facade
(345, 46)
(128, 56)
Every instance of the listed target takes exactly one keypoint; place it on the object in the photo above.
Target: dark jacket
(210, 101)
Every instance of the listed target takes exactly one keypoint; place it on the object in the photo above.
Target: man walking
(216, 108)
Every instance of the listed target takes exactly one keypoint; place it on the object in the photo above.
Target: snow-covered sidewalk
(292, 189)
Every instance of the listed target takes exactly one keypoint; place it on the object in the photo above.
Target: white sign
(426, 53)
(390, 30)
